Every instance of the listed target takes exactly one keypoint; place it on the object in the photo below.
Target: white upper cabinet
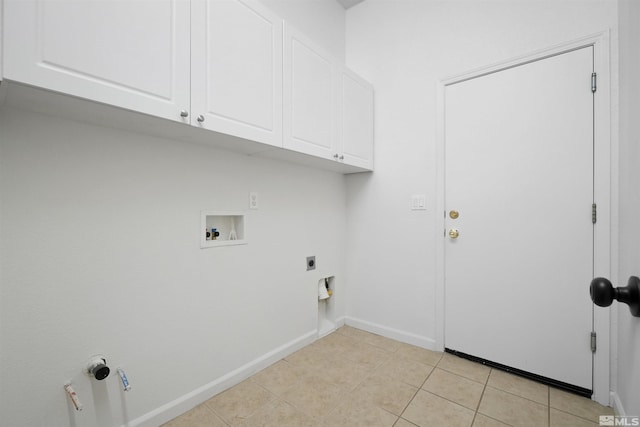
(328, 109)
(236, 69)
(132, 54)
(356, 120)
(310, 97)
(229, 66)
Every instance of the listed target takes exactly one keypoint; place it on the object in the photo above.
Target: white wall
(628, 368)
(404, 48)
(99, 253)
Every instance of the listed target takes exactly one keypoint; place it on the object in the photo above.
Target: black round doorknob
(603, 293)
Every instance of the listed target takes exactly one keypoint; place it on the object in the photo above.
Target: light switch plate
(419, 202)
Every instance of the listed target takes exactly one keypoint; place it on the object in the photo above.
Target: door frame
(604, 192)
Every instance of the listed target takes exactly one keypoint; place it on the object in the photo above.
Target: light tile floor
(354, 378)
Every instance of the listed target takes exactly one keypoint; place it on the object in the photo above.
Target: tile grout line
(485, 384)
(549, 406)
(522, 397)
(391, 355)
(464, 377)
(409, 402)
(371, 370)
(460, 375)
(417, 391)
(281, 398)
(369, 373)
(224, 421)
(484, 388)
(574, 415)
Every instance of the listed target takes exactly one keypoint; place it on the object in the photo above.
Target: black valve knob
(603, 293)
(97, 368)
(100, 372)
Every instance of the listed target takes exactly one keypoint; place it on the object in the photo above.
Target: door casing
(604, 251)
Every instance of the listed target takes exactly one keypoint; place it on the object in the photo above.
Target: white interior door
(519, 170)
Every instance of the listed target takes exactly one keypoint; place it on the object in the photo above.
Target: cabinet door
(310, 97)
(131, 54)
(356, 120)
(237, 69)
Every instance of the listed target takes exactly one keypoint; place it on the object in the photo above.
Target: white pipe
(73, 396)
(125, 381)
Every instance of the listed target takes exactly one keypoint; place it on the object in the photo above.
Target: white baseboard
(618, 409)
(190, 400)
(328, 327)
(396, 334)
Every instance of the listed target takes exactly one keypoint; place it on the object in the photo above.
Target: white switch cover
(253, 200)
(419, 202)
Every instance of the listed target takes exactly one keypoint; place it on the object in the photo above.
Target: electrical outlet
(253, 200)
(311, 263)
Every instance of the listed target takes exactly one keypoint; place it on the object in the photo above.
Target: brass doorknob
(453, 233)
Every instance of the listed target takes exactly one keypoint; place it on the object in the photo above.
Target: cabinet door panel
(132, 54)
(237, 69)
(310, 97)
(356, 130)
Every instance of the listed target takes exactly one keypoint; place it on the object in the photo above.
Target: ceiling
(348, 3)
